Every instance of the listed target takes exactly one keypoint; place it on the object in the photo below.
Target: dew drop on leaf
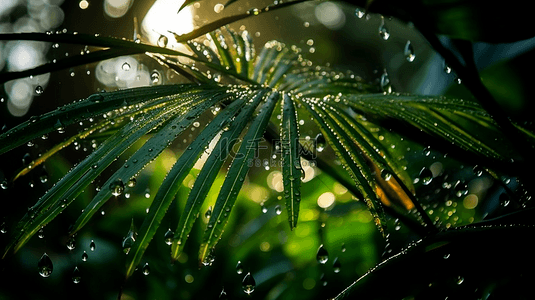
(386, 175)
(45, 266)
(130, 238)
(460, 280)
(76, 276)
(131, 182)
(92, 245)
(155, 77)
(117, 187)
(322, 256)
(383, 31)
(208, 213)
(248, 284)
(41, 233)
(359, 13)
(278, 209)
(460, 188)
(39, 90)
(218, 7)
(386, 86)
(126, 66)
(344, 247)
(264, 208)
(85, 256)
(239, 267)
(146, 269)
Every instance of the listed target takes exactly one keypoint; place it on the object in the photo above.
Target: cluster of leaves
(255, 88)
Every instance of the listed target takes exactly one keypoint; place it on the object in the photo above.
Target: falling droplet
(117, 187)
(92, 245)
(248, 284)
(336, 265)
(39, 90)
(426, 176)
(239, 267)
(130, 238)
(45, 266)
(322, 256)
(319, 141)
(146, 269)
(168, 236)
(208, 213)
(386, 86)
(409, 52)
(162, 41)
(71, 243)
(85, 256)
(383, 30)
(278, 209)
(76, 276)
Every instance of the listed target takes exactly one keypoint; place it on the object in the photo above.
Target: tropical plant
(248, 99)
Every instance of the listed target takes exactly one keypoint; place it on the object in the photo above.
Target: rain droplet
(383, 31)
(76, 276)
(409, 52)
(168, 236)
(126, 66)
(162, 41)
(85, 256)
(208, 213)
(322, 256)
(71, 243)
(130, 238)
(336, 265)
(92, 245)
(45, 266)
(146, 269)
(196, 124)
(239, 267)
(278, 209)
(117, 187)
(426, 176)
(248, 284)
(386, 86)
(319, 142)
(39, 90)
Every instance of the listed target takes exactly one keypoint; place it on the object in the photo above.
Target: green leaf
(94, 105)
(235, 177)
(198, 101)
(208, 174)
(171, 183)
(291, 163)
(350, 157)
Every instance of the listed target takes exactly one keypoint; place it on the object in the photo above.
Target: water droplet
(208, 213)
(95, 98)
(130, 238)
(168, 236)
(26, 159)
(196, 124)
(71, 243)
(336, 265)
(460, 188)
(460, 280)
(239, 267)
(162, 41)
(92, 245)
(43, 177)
(344, 247)
(264, 208)
(85, 256)
(383, 31)
(386, 86)
(126, 66)
(155, 77)
(41, 233)
(146, 269)
(359, 13)
(278, 209)
(4, 184)
(426, 176)
(322, 256)
(39, 90)
(446, 256)
(409, 52)
(147, 193)
(248, 284)
(446, 68)
(131, 182)
(76, 276)
(319, 142)
(218, 7)
(45, 266)
(386, 174)
(117, 187)
(223, 295)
